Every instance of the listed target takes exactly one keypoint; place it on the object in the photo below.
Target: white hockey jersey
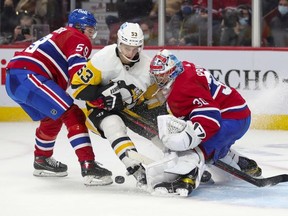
(105, 66)
(112, 69)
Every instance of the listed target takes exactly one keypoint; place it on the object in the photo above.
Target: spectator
(7, 24)
(222, 34)
(230, 26)
(202, 23)
(150, 38)
(278, 25)
(183, 28)
(22, 32)
(244, 27)
(44, 11)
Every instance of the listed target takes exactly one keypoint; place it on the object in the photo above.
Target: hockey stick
(140, 121)
(146, 125)
(259, 182)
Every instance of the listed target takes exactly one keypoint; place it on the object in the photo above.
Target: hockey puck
(119, 179)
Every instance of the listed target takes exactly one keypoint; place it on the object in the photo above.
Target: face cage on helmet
(164, 78)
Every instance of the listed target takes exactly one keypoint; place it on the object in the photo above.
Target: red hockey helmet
(165, 67)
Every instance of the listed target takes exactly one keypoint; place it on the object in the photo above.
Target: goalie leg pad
(155, 171)
(186, 162)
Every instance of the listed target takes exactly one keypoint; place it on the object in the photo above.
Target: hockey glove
(110, 98)
(130, 94)
(179, 135)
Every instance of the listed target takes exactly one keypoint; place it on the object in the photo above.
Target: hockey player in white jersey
(117, 73)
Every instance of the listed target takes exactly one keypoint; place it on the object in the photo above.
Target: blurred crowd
(23, 21)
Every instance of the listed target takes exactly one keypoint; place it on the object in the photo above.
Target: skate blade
(46, 173)
(91, 180)
(162, 191)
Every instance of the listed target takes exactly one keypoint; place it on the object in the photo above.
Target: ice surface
(23, 194)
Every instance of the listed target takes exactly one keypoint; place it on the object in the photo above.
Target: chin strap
(130, 60)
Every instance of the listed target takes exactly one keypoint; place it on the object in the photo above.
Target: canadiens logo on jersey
(53, 112)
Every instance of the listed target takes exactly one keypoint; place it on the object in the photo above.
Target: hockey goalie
(207, 118)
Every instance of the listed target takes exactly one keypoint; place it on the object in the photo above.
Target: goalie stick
(259, 182)
(152, 128)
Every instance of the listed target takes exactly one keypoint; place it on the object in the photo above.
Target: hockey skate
(182, 186)
(135, 168)
(242, 163)
(94, 175)
(139, 174)
(249, 166)
(49, 167)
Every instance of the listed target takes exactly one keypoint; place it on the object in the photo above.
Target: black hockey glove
(130, 93)
(110, 98)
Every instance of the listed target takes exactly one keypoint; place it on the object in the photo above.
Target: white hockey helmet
(130, 34)
(165, 67)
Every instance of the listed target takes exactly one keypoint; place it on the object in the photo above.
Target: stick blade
(259, 182)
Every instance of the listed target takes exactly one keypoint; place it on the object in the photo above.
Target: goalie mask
(130, 41)
(81, 19)
(164, 68)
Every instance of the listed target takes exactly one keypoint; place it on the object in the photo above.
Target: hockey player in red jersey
(37, 79)
(207, 118)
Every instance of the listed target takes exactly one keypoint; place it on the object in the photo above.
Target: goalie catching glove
(179, 135)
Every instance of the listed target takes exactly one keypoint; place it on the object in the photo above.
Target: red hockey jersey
(56, 56)
(198, 96)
